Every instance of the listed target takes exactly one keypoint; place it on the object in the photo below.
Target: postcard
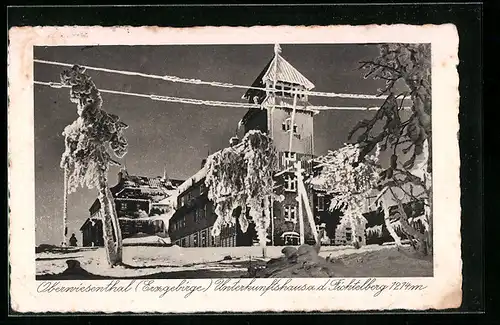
(235, 169)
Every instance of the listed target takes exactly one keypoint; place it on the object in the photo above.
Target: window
(195, 240)
(286, 91)
(348, 234)
(204, 238)
(203, 188)
(321, 203)
(289, 158)
(211, 239)
(123, 206)
(290, 183)
(287, 125)
(178, 224)
(290, 213)
(301, 96)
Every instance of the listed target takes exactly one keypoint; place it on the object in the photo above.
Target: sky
(172, 135)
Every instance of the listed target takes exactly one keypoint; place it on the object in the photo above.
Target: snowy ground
(177, 262)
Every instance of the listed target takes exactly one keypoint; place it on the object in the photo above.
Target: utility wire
(210, 83)
(200, 101)
(161, 98)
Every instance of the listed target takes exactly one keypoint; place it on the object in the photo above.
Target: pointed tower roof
(284, 71)
(280, 69)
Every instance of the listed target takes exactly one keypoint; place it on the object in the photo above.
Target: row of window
(290, 211)
(201, 213)
(289, 215)
(202, 238)
(179, 224)
(193, 193)
(127, 205)
(227, 231)
(287, 90)
(228, 242)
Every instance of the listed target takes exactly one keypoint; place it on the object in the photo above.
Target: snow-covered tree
(242, 176)
(86, 159)
(350, 181)
(408, 176)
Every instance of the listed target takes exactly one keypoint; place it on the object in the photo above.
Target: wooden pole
(310, 216)
(298, 175)
(292, 123)
(271, 128)
(65, 208)
(272, 222)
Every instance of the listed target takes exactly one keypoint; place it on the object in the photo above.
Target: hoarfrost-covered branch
(242, 176)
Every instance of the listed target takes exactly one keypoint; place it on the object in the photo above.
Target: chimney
(165, 175)
(122, 174)
(234, 141)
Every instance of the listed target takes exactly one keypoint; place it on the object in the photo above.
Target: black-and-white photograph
(233, 161)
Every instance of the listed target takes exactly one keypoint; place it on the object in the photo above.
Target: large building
(140, 204)
(191, 223)
(278, 90)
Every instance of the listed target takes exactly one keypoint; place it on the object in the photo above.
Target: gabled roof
(284, 71)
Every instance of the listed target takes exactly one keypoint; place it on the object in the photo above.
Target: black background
(467, 18)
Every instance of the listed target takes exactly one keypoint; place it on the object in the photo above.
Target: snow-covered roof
(192, 180)
(163, 217)
(285, 72)
(202, 172)
(169, 201)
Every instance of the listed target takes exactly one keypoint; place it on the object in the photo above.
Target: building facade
(191, 224)
(139, 203)
(287, 118)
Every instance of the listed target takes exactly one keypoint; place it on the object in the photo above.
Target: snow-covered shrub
(349, 181)
(242, 176)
